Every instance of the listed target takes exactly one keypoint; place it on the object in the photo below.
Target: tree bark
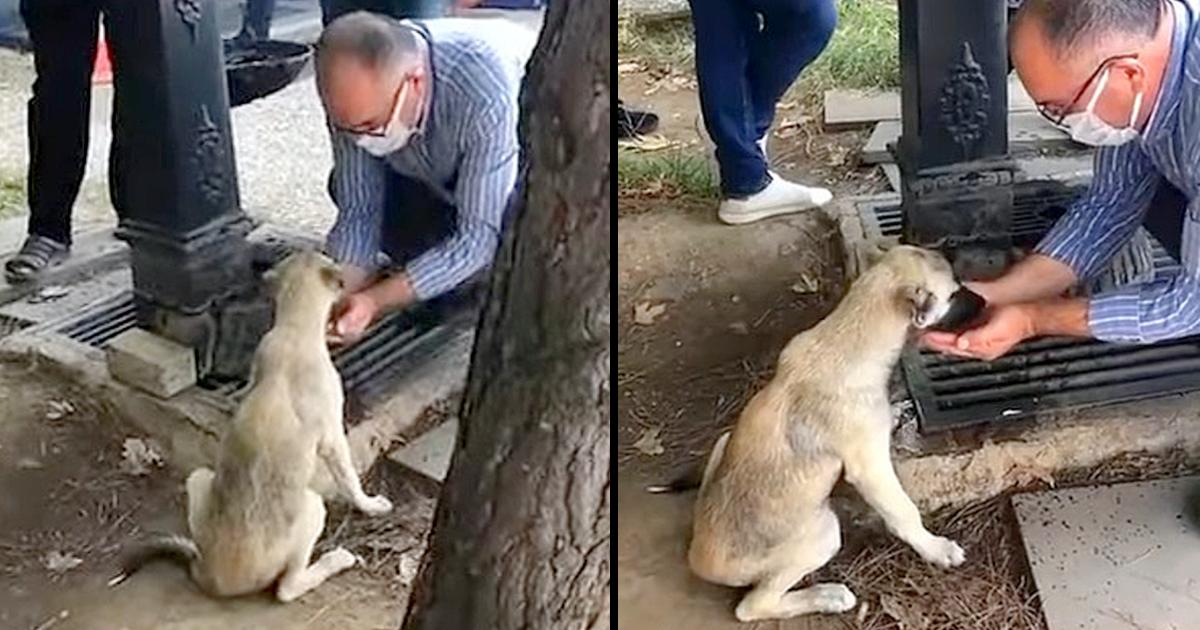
(521, 534)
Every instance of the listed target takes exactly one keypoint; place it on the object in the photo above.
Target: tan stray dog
(255, 520)
(762, 518)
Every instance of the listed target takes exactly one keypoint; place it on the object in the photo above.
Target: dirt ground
(71, 496)
(704, 310)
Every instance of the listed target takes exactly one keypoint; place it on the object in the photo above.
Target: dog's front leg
(868, 468)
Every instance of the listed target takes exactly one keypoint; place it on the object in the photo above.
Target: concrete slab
(151, 363)
(891, 171)
(1115, 557)
(1026, 132)
(845, 108)
(430, 454)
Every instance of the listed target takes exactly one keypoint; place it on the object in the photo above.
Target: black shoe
(38, 254)
(632, 123)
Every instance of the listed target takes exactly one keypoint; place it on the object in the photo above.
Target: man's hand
(1002, 328)
(352, 315)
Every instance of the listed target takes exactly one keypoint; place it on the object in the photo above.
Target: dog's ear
(913, 300)
(331, 275)
(875, 253)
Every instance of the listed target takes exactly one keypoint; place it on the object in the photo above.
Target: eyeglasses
(378, 131)
(1056, 114)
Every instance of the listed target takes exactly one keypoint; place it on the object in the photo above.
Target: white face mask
(1088, 128)
(395, 133)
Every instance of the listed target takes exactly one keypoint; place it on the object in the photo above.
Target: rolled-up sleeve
(485, 182)
(1165, 308)
(1089, 235)
(356, 185)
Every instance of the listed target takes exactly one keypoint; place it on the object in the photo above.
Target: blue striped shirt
(466, 151)
(1126, 178)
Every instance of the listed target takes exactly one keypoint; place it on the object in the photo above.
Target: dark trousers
(63, 34)
(257, 23)
(414, 219)
(1164, 218)
(743, 70)
(417, 9)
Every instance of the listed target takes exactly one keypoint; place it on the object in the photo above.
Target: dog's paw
(943, 552)
(834, 598)
(376, 505)
(340, 559)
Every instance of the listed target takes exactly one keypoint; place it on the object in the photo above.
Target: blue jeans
(743, 70)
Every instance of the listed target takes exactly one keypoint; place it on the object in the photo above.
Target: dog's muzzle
(965, 306)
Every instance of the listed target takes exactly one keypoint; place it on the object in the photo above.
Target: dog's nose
(965, 306)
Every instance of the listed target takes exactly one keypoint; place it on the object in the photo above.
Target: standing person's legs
(417, 9)
(63, 33)
(723, 29)
(794, 33)
(257, 22)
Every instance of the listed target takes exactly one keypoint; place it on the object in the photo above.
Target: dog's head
(309, 274)
(926, 289)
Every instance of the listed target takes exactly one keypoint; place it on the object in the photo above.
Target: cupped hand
(351, 317)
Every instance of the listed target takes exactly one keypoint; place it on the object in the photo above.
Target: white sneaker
(779, 197)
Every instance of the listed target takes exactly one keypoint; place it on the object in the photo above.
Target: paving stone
(860, 107)
(1026, 132)
(151, 363)
(1115, 557)
(430, 454)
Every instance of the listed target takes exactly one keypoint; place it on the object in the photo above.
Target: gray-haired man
(424, 119)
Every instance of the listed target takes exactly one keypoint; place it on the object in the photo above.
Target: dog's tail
(180, 549)
(689, 480)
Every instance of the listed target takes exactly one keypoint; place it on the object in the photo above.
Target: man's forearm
(1059, 317)
(1035, 278)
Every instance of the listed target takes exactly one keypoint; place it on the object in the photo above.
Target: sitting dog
(255, 520)
(762, 517)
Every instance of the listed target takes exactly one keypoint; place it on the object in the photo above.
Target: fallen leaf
(137, 456)
(806, 285)
(629, 67)
(28, 463)
(739, 328)
(649, 443)
(58, 562)
(59, 409)
(909, 617)
(49, 293)
(645, 313)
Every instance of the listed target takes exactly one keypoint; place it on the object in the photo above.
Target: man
(748, 53)
(424, 152)
(1124, 76)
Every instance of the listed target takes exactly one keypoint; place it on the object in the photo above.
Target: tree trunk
(521, 534)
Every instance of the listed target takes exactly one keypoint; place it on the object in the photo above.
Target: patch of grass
(863, 53)
(669, 174)
(12, 197)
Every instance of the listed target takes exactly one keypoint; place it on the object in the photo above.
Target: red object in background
(102, 70)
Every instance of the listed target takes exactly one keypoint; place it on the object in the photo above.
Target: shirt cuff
(1116, 316)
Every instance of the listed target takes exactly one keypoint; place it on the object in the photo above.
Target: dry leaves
(59, 409)
(139, 456)
(645, 313)
(58, 562)
(650, 443)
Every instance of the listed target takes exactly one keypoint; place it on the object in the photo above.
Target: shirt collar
(1168, 96)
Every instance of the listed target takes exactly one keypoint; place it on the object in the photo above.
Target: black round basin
(256, 68)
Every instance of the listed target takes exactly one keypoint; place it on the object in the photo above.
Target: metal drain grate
(399, 340)
(1044, 374)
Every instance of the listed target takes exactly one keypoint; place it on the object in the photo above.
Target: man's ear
(913, 301)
